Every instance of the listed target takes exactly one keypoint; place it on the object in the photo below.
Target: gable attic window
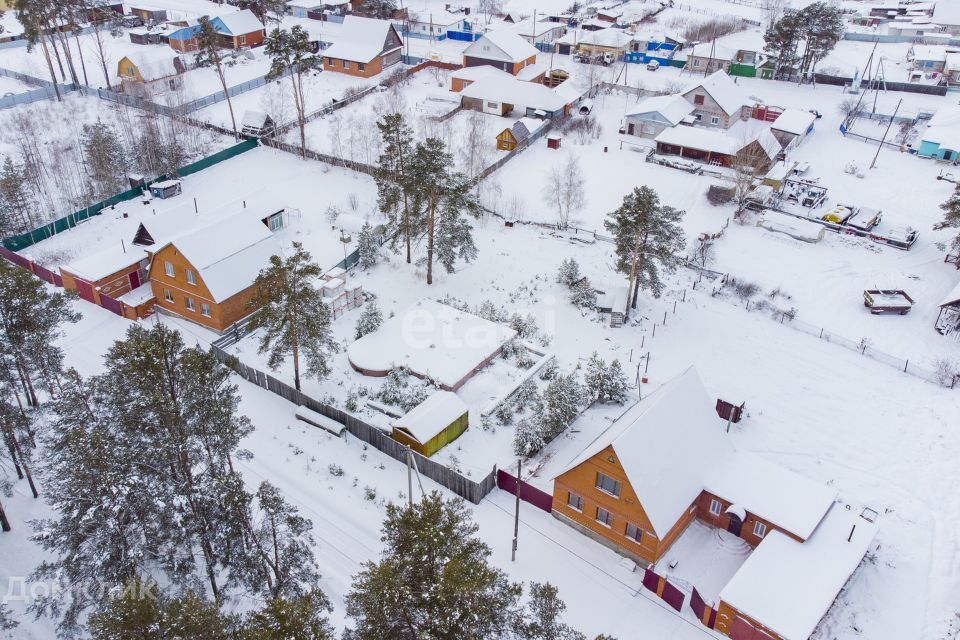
(715, 506)
(608, 485)
(759, 529)
(168, 268)
(190, 304)
(698, 99)
(191, 278)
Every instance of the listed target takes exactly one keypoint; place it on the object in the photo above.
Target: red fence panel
(57, 280)
(673, 596)
(44, 274)
(697, 604)
(110, 304)
(528, 493)
(15, 258)
(729, 411)
(651, 580)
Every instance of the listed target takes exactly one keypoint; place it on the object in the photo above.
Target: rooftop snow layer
(104, 263)
(503, 45)
(360, 39)
(432, 416)
(672, 446)
(722, 89)
(674, 108)
(431, 339)
(788, 586)
(699, 138)
(795, 121)
(517, 92)
(241, 22)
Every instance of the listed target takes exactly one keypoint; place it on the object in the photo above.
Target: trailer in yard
(887, 301)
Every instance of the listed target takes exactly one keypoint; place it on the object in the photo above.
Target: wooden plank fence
(452, 480)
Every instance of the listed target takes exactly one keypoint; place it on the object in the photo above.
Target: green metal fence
(24, 240)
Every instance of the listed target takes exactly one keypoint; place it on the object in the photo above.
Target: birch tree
(565, 191)
(292, 314)
(648, 240)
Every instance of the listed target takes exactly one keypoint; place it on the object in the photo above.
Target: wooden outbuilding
(948, 319)
(149, 14)
(506, 141)
(149, 72)
(432, 424)
(166, 189)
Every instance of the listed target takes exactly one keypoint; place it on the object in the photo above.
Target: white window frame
(714, 120)
(604, 521)
(573, 499)
(190, 275)
(716, 507)
(167, 295)
(616, 485)
(189, 304)
(205, 309)
(169, 269)
(759, 529)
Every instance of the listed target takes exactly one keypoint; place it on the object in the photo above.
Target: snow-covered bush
(582, 295)
(569, 272)
(369, 321)
(399, 391)
(528, 437)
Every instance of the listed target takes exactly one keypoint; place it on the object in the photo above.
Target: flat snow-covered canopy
(788, 586)
(610, 38)
(432, 340)
(432, 416)
(795, 121)
(472, 74)
(509, 90)
(722, 89)
(504, 45)
(672, 447)
(360, 39)
(104, 263)
(700, 139)
(673, 109)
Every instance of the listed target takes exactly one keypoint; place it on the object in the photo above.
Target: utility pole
(516, 517)
(889, 124)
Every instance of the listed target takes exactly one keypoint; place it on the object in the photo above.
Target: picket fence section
(452, 480)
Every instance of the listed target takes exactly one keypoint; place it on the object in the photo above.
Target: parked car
(653, 65)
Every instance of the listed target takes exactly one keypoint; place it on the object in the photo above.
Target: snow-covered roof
(502, 44)
(104, 263)
(527, 28)
(722, 89)
(437, 18)
(947, 13)
(953, 297)
(944, 128)
(516, 92)
(788, 586)
(712, 51)
(360, 39)
(472, 74)
(612, 38)
(674, 108)
(432, 416)
(229, 254)
(952, 61)
(153, 63)
(699, 138)
(432, 339)
(136, 297)
(252, 118)
(927, 52)
(768, 142)
(795, 121)
(531, 71)
(672, 447)
(240, 22)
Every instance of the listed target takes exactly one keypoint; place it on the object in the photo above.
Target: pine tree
(562, 404)
(528, 437)
(296, 618)
(7, 621)
(105, 158)
(951, 216)
(369, 321)
(35, 16)
(368, 246)
(444, 197)
(823, 28)
(382, 9)
(208, 54)
(395, 181)
(263, 9)
(433, 579)
(782, 39)
(582, 295)
(569, 272)
(16, 199)
(541, 617)
(292, 54)
(282, 535)
(293, 315)
(648, 240)
(616, 390)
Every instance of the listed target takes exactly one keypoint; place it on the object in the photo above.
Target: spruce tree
(541, 616)
(369, 321)
(368, 247)
(7, 621)
(951, 216)
(292, 314)
(569, 272)
(394, 180)
(443, 196)
(263, 9)
(382, 9)
(648, 240)
(294, 618)
(433, 579)
(582, 295)
(528, 437)
(616, 389)
(562, 404)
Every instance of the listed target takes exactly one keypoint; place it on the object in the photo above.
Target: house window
(604, 517)
(361, 66)
(608, 484)
(574, 501)
(696, 62)
(276, 222)
(698, 117)
(168, 268)
(698, 99)
(191, 278)
(714, 120)
(492, 105)
(715, 507)
(167, 295)
(759, 529)
(204, 309)
(243, 40)
(346, 64)
(190, 304)
(173, 84)
(634, 532)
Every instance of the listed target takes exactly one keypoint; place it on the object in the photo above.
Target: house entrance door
(734, 524)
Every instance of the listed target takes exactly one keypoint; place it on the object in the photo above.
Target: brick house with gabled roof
(364, 48)
(717, 101)
(502, 49)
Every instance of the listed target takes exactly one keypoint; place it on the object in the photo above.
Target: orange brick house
(364, 48)
(208, 276)
(667, 462)
(505, 50)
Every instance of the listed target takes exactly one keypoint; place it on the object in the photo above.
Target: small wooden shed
(506, 140)
(165, 189)
(432, 424)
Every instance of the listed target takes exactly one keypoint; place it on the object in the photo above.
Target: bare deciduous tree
(566, 191)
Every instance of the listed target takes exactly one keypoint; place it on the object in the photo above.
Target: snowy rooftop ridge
(510, 90)
(722, 89)
(672, 107)
(432, 416)
(512, 48)
(360, 39)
